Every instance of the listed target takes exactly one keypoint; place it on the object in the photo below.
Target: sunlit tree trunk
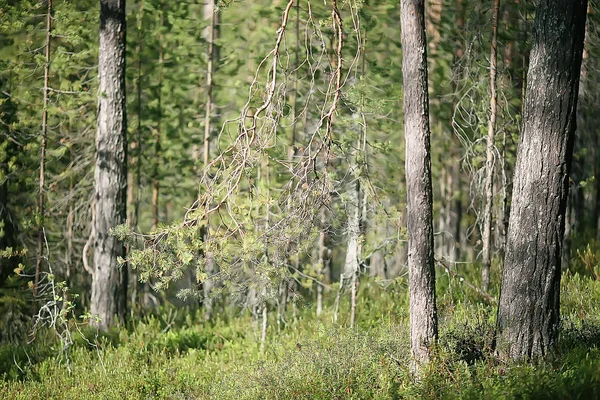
(528, 312)
(353, 231)
(423, 311)
(111, 167)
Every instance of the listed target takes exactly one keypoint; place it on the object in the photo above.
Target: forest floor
(172, 355)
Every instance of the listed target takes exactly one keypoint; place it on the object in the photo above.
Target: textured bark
(423, 312)
(111, 167)
(489, 167)
(528, 312)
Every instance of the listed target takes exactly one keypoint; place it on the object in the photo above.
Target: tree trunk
(210, 35)
(353, 231)
(423, 311)
(135, 178)
(489, 167)
(42, 183)
(111, 167)
(157, 134)
(528, 312)
(70, 220)
(323, 259)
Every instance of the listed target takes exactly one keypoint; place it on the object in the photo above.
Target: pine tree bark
(528, 312)
(111, 168)
(423, 311)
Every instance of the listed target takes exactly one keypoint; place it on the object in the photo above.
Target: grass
(309, 358)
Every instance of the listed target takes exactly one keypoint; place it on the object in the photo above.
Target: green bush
(311, 358)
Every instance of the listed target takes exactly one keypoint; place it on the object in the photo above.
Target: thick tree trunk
(111, 167)
(489, 167)
(423, 311)
(528, 312)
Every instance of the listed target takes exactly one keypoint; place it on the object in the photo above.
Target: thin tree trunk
(355, 207)
(455, 196)
(70, 221)
(42, 183)
(134, 195)
(351, 264)
(291, 154)
(489, 170)
(265, 315)
(211, 35)
(158, 134)
(423, 311)
(439, 239)
(111, 167)
(323, 259)
(528, 312)
(458, 216)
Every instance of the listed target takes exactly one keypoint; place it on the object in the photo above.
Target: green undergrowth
(174, 356)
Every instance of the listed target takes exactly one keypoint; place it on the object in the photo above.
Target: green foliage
(173, 355)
